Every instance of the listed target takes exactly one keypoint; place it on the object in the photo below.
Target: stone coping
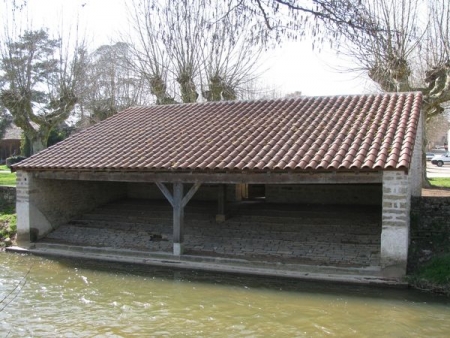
(368, 276)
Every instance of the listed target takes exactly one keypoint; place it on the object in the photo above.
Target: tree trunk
(37, 145)
(38, 139)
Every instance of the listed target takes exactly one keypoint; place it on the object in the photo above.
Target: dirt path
(441, 192)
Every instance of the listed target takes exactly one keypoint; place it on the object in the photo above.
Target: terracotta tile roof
(12, 132)
(361, 132)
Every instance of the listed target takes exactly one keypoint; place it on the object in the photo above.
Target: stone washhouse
(339, 150)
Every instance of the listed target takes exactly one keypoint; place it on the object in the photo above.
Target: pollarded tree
(436, 52)
(149, 57)
(411, 52)
(403, 45)
(190, 48)
(229, 56)
(38, 84)
(408, 52)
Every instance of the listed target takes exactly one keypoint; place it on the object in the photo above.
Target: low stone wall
(7, 196)
(430, 229)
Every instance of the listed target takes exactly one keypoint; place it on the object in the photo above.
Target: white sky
(290, 68)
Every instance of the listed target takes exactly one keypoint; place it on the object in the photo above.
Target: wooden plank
(225, 178)
(165, 192)
(190, 193)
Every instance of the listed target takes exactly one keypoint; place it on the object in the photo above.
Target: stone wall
(7, 196)
(336, 194)
(43, 204)
(430, 229)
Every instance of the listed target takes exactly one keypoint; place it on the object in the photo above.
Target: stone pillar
(395, 223)
(31, 223)
(23, 209)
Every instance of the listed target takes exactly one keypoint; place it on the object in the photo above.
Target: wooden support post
(221, 199)
(178, 203)
(178, 219)
(165, 192)
(190, 193)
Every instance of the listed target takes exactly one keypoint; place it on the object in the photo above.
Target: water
(43, 297)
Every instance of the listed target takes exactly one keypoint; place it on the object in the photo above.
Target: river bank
(434, 276)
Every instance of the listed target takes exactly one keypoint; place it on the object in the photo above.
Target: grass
(437, 270)
(434, 275)
(8, 179)
(6, 176)
(440, 182)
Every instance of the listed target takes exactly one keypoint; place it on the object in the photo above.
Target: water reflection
(66, 298)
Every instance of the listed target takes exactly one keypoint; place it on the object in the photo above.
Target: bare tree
(149, 57)
(403, 45)
(274, 21)
(436, 57)
(108, 84)
(409, 51)
(229, 59)
(190, 48)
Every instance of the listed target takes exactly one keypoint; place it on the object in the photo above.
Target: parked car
(430, 156)
(440, 160)
(435, 152)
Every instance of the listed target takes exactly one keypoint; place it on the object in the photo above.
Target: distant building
(10, 143)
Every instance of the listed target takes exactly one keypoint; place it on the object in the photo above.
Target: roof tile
(359, 132)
